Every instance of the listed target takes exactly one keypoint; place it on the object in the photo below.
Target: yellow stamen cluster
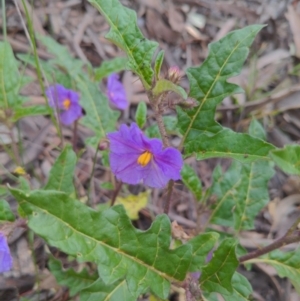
(67, 103)
(144, 158)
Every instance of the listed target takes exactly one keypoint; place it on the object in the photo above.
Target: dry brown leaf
(176, 19)
(158, 29)
(294, 19)
(284, 214)
(178, 232)
(291, 185)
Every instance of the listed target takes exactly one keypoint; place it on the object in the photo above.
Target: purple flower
(116, 92)
(67, 101)
(5, 257)
(135, 157)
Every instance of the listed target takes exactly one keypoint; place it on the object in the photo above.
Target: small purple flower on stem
(67, 101)
(135, 157)
(5, 257)
(116, 92)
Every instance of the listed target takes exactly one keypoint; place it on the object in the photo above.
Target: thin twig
(4, 20)
(116, 192)
(169, 196)
(92, 175)
(285, 240)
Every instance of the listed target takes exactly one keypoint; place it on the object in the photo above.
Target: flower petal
(116, 92)
(5, 257)
(128, 144)
(125, 168)
(56, 94)
(127, 140)
(73, 113)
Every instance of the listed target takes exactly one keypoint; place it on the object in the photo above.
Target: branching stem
(290, 237)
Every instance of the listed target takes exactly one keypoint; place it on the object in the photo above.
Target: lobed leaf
(208, 86)
(63, 58)
(191, 181)
(99, 291)
(6, 213)
(76, 282)
(241, 193)
(241, 290)
(99, 116)
(202, 244)
(108, 67)
(125, 33)
(61, 174)
(108, 239)
(256, 130)
(287, 264)
(216, 275)
(287, 159)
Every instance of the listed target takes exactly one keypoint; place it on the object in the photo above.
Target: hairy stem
(289, 238)
(3, 20)
(285, 240)
(169, 197)
(116, 192)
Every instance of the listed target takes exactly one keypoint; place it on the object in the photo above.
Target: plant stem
(169, 196)
(92, 175)
(116, 192)
(40, 74)
(4, 20)
(155, 103)
(161, 125)
(288, 238)
(74, 138)
(285, 240)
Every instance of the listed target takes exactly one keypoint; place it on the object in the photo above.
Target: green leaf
(241, 290)
(191, 181)
(5, 212)
(217, 275)
(108, 239)
(164, 85)
(170, 125)
(208, 86)
(241, 193)
(61, 174)
(256, 130)
(99, 116)
(52, 73)
(202, 244)
(63, 58)
(141, 114)
(125, 33)
(99, 291)
(287, 159)
(287, 264)
(242, 147)
(22, 111)
(76, 282)
(9, 77)
(112, 66)
(158, 63)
